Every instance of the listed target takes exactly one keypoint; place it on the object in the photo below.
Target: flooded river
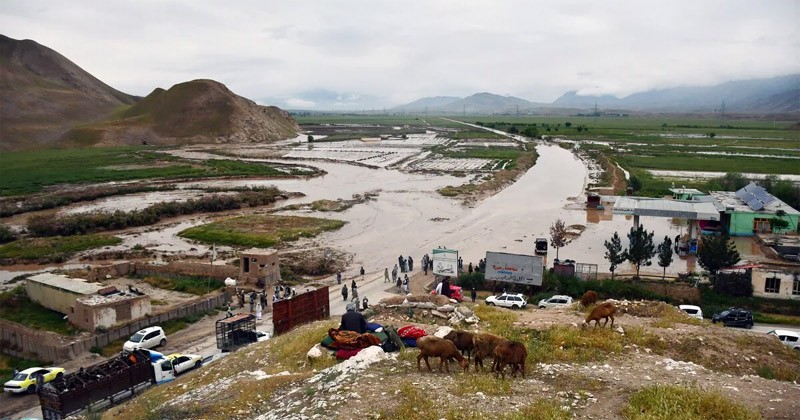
(410, 217)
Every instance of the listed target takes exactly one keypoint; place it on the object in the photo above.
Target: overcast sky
(371, 54)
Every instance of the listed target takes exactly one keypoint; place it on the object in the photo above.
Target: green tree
(717, 252)
(641, 248)
(310, 138)
(635, 183)
(665, 255)
(558, 235)
(614, 253)
(567, 124)
(778, 223)
(6, 235)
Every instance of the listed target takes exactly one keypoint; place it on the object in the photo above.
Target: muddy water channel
(410, 218)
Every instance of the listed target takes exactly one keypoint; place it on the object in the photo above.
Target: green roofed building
(748, 211)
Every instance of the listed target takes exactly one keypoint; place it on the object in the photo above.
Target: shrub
(677, 402)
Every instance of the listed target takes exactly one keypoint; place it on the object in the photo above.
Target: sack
(389, 346)
(391, 332)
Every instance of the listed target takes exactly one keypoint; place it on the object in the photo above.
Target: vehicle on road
(789, 338)
(692, 310)
(541, 246)
(104, 384)
(147, 338)
(557, 301)
(183, 362)
(25, 381)
(508, 300)
(235, 331)
(734, 317)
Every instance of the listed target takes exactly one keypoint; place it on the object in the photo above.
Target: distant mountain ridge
(771, 95)
(49, 101)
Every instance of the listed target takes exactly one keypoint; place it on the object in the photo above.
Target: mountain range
(777, 95)
(49, 101)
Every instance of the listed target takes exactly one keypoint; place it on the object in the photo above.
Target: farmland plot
(453, 164)
(374, 157)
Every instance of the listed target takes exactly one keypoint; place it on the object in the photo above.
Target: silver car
(556, 301)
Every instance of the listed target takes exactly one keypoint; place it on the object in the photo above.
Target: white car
(692, 310)
(508, 300)
(556, 301)
(790, 338)
(146, 339)
(183, 362)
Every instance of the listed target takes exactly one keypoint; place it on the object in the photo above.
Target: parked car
(455, 292)
(692, 310)
(147, 338)
(25, 381)
(734, 317)
(789, 338)
(508, 300)
(183, 362)
(556, 301)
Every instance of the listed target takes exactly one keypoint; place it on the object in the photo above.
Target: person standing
(338, 277)
(410, 263)
(473, 294)
(400, 263)
(399, 284)
(469, 268)
(252, 302)
(362, 272)
(364, 303)
(353, 284)
(386, 275)
(394, 273)
(258, 311)
(344, 293)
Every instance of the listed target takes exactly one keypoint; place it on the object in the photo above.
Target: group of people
(354, 300)
(258, 301)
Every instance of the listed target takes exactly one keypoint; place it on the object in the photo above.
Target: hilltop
(45, 95)
(49, 102)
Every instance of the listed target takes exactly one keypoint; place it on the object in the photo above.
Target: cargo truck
(104, 384)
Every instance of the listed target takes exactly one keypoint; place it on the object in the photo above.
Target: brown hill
(44, 95)
(199, 111)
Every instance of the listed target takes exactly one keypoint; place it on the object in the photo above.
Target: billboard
(445, 262)
(514, 268)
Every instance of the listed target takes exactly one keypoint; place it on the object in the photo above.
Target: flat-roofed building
(58, 292)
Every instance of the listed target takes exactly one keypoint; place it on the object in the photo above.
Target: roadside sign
(514, 268)
(445, 262)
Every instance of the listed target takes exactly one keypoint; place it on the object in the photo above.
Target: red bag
(410, 331)
(346, 354)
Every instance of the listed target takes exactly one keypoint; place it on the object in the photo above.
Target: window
(772, 285)
(796, 285)
(761, 226)
(151, 335)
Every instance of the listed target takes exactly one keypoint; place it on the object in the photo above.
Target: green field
(54, 248)
(262, 231)
(31, 171)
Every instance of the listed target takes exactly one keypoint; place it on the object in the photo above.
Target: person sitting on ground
(365, 303)
(352, 320)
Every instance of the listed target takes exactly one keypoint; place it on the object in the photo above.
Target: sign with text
(445, 262)
(514, 268)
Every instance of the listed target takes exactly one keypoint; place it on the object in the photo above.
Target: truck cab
(162, 367)
(541, 246)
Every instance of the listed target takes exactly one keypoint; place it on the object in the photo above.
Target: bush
(6, 235)
(677, 402)
(468, 281)
(734, 284)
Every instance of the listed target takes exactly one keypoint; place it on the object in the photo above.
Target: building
(105, 311)
(776, 284)
(58, 292)
(685, 193)
(749, 211)
(259, 269)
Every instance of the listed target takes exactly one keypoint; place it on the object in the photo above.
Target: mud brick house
(58, 292)
(259, 269)
(106, 310)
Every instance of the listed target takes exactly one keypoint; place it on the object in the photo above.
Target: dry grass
(677, 402)
(480, 382)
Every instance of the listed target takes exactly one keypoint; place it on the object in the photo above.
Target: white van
(790, 338)
(146, 339)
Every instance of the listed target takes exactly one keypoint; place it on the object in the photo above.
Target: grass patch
(677, 402)
(262, 231)
(56, 248)
(290, 349)
(9, 363)
(480, 382)
(478, 134)
(16, 306)
(331, 205)
(192, 285)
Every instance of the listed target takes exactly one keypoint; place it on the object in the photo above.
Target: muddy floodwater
(410, 218)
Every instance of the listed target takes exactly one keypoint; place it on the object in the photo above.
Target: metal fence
(301, 309)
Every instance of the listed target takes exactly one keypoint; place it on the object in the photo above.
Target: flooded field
(709, 175)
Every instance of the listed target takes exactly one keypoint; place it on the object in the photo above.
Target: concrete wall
(785, 290)
(20, 341)
(52, 298)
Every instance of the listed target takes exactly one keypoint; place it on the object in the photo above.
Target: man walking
(386, 275)
(344, 293)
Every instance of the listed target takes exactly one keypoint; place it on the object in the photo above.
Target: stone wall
(20, 341)
(681, 292)
(183, 269)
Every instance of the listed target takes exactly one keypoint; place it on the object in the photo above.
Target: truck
(236, 331)
(104, 384)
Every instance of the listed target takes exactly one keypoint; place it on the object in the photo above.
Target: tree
(614, 253)
(665, 255)
(558, 235)
(568, 125)
(717, 252)
(310, 138)
(635, 183)
(641, 248)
